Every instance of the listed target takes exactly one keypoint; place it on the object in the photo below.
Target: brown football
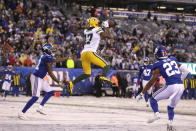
(111, 23)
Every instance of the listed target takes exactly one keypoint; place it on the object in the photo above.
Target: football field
(81, 113)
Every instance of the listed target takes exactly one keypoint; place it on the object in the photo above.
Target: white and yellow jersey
(92, 39)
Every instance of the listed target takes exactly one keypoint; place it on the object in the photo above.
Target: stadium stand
(26, 25)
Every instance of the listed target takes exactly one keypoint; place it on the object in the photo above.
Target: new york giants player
(7, 75)
(145, 73)
(38, 83)
(134, 80)
(169, 68)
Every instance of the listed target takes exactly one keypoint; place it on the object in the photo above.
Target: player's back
(93, 38)
(41, 69)
(169, 70)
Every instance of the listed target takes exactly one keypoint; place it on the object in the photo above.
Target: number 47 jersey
(169, 70)
(92, 39)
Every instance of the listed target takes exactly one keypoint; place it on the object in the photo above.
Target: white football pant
(38, 84)
(6, 86)
(173, 92)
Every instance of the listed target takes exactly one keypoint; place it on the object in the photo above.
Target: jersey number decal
(169, 68)
(147, 72)
(88, 38)
(37, 66)
(8, 77)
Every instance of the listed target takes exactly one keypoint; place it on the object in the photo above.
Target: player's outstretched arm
(60, 59)
(184, 71)
(49, 67)
(106, 34)
(154, 77)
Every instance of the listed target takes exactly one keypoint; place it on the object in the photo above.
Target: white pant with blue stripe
(38, 84)
(6, 86)
(173, 92)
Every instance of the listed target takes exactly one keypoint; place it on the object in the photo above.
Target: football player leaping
(37, 79)
(93, 36)
(169, 68)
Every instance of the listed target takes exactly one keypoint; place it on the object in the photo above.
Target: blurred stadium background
(141, 25)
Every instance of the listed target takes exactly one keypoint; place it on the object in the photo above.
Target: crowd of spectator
(27, 24)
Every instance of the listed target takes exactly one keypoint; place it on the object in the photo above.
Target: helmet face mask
(9, 68)
(146, 61)
(93, 22)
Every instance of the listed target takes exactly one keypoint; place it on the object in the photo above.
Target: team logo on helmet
(160, 52)
(93, 22)
(47, 49)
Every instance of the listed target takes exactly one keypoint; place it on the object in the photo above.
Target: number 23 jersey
(169, 70)
(92, 39)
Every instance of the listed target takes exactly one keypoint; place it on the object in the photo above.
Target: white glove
(139, 97)
(105, 24)
(62, 84)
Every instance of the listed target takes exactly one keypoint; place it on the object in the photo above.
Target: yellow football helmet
(93, 22)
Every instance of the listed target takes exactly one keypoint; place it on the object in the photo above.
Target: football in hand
(111, 23)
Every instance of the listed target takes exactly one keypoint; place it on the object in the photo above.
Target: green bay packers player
(93, 35)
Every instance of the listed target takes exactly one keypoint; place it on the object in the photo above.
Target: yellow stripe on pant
(16, 80)
(192, 83)
(185, 83)
(89, 57)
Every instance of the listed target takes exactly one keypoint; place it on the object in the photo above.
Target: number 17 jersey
(169, 70)
(92, 39)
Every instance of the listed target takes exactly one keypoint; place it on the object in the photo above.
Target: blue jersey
(133, 80)
(8, 75)
(145, 72)
(169, 70)
(41, 69)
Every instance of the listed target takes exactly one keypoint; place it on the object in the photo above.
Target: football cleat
(22, 116)
(170, 128)
(4, 98)
(70, 87)
(156, 117)
(41, 110)
(103, 78)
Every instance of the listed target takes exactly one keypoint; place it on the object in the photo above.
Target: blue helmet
(47, 49)
(160, 52)
(146, 61)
